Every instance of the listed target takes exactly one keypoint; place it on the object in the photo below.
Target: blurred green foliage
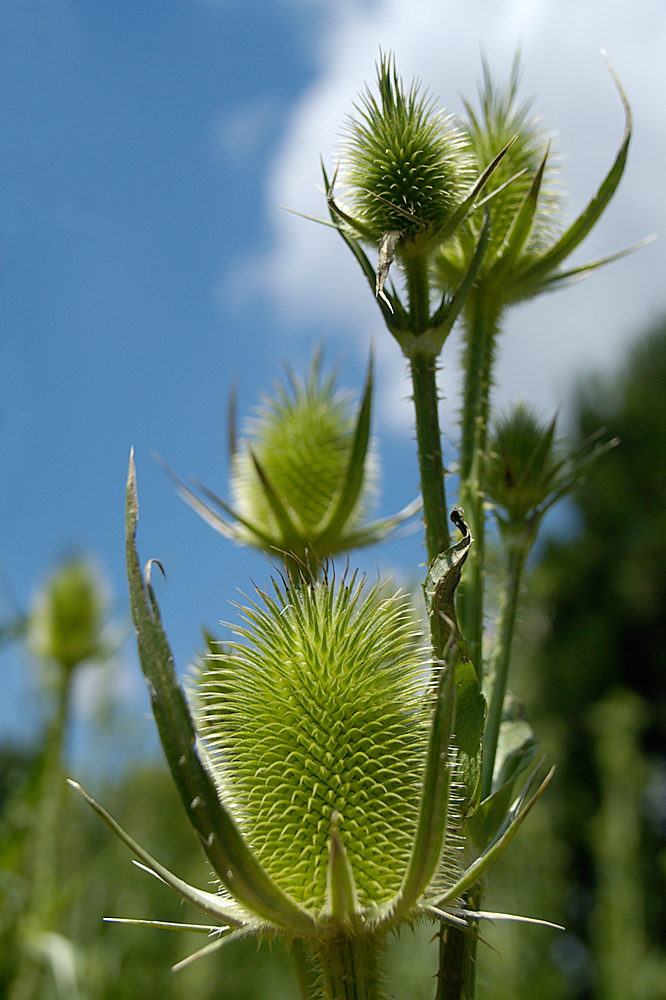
(592, 671)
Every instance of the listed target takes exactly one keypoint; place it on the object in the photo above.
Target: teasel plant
(494, 237)
(325, 770)
(336, 759)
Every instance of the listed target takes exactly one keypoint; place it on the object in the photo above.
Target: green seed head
(523, 464)
(66, 622)
(501, 118)
(406, 164)
(302, 439)
(316, 720)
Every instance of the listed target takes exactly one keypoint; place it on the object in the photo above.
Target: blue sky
(146, 150)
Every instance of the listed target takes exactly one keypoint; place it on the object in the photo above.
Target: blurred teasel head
(303, 475)
(528, 469)
(529, 239)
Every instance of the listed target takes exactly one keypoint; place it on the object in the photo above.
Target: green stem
(481, 327)
(48, 825)
(516, 555)
(44, 840)
(456, 975)
(349, 968)
(429, 444)
(423, 367)
(307, 979)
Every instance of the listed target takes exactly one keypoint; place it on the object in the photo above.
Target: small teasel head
(300, 442)
(67, 623)
(304, 474)
(529, 238)
(405, 164)
(529, 468)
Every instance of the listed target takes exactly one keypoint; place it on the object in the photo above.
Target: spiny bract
(321, 708)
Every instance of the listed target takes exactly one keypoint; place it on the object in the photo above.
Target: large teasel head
(319, 769)
(529, 240)
(303, 474)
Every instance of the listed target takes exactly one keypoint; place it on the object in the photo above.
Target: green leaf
(207, 902)
(443, 319)
(484, 824)
(468, 732)
(288, 529)
(516, 746)
(520, 227)
(209, 515)
(440, 587)
(466, 206)
(503, 837)
(433, 810)
(579, 229)
(234, 863)
(208, 949)
(342, 899)
(355, 470)
(387, 302)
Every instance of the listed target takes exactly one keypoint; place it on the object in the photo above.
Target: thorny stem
(517, 550)
(423, 366)
(349, 969)
(429, 443)
(482, 327)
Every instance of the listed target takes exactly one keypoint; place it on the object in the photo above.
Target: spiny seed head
(406, 164)
(524, 463)
(501, 118)
(316, 718)
(302, 438)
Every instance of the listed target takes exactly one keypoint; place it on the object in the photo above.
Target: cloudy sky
(146, 261)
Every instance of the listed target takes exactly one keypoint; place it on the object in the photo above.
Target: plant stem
(517, 550)
(482, 327)
(349, 968)
(429, 444)
(48, 825)
(423, 367)
(457, 956)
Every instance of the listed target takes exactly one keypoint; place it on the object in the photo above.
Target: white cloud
(312, 278)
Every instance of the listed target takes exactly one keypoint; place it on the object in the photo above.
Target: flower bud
(406, 164)
(66, 621)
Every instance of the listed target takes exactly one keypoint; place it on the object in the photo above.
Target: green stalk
(45, 838)
(423, 367)
(481, 327)
(516, 555)
(349, 968)
(48, 825)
